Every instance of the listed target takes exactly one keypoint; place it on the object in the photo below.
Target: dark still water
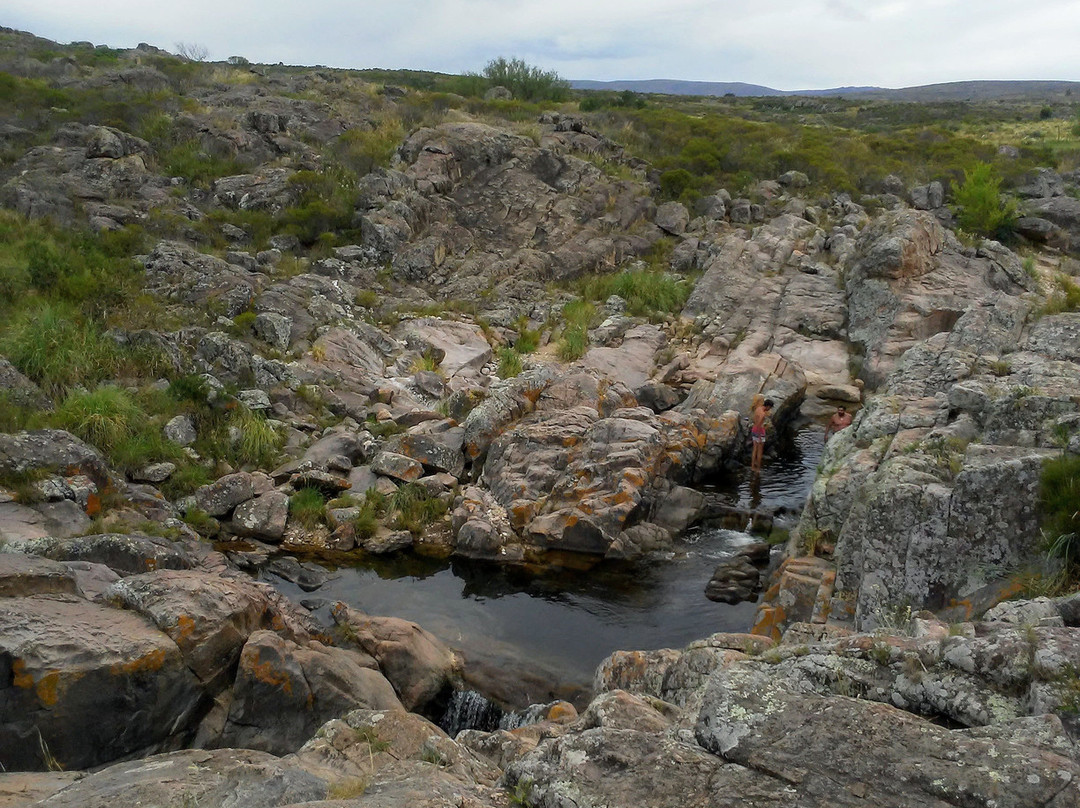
(559, 624)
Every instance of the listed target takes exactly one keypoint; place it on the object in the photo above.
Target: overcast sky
(785, 44)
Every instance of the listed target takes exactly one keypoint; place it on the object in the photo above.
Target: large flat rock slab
(97, 683)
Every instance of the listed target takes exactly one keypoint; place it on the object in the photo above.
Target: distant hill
(950, 91)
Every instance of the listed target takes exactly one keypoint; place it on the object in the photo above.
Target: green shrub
(1065, 297)
(363, 150)
(112, 420)
(509, 363)
(574, 340)
(648, 293)
(413, 508)
(259, 444)
(1060, 500)
(527, 82)
(307, 506)
(58, 347)
(981, 209)
(528, 340)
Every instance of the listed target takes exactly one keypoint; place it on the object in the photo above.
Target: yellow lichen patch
(266, 673)
(562, 712)
(93, 505)
(148, 663)
(48, 689)
(185, 628)
(20, 678)
(768, 622)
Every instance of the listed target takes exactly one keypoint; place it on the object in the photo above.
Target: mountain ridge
(982, 90)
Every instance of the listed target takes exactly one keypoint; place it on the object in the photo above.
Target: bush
(58, 348)
(307, 507)
(527, 82)
(1060, 499)
(113, 421)
(1065, 297)
(574, 340)
(509, 363)
(981, 209)
(414, 509)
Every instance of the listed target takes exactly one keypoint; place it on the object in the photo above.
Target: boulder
(263, 517)
(22, 575)
(207, 616)
(672, 217)
(195, 777)
(97, 683)
(124, 553)
(221, 496)
(285, 691)
(417, 664)
(398, 466)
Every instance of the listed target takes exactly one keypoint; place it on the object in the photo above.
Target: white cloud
(789, 44)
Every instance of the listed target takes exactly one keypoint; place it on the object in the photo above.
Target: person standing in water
(757, 433)
(841, 420)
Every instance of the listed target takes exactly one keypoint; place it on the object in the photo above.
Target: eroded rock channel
(365, 499)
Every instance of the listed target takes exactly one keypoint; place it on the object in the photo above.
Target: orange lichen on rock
(149, 663)
(20, 678)
(266, 673)
(93, 505)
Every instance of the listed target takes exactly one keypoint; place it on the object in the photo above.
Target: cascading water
(467, 709)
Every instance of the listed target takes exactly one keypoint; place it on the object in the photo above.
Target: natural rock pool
(546, 631)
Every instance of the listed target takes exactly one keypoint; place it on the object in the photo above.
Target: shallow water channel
(559, 624)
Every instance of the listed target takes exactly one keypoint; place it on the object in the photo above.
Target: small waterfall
(533, 714)
(467, 709)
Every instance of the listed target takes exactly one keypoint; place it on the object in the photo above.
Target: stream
(559, 624)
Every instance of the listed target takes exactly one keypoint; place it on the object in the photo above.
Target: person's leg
(756, 455)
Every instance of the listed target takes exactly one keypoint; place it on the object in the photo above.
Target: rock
(195, 776)
(841, 748)
(437, 453)
(657, 396)
(793, 179)
(53, 449)
(220, 497)
(127, 554)
(1041, 183)
(181, 430)
(417, 664)
(96, 682)
(263, 517)
(22, 575)
(672, 217)
(20, 390)
(734, 581)
(154, 473)
(928, 197)
(387, 542)
(181, 274)
(400, 467)
(274, 329)
(285, 691)
(208, 617)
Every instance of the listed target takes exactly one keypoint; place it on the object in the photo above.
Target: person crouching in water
(757, 433)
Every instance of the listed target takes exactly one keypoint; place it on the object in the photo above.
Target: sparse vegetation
(574, 340)
(307, 507)
(981, 208)
(1060, 500)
